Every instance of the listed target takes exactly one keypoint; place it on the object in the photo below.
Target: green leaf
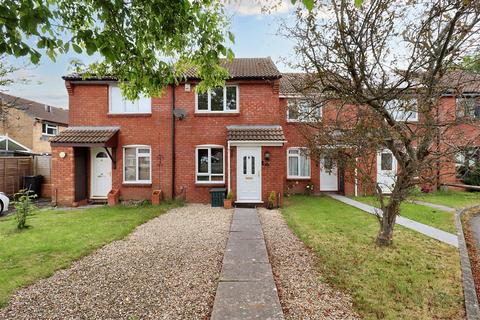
(231, 37)
(76, 48)
(358, 3)
(309, 4)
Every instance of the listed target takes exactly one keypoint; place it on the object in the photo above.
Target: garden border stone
(471, 299)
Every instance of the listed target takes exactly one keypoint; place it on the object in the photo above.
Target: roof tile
(255, 133)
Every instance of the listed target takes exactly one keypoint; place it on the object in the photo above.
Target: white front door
(249, 174)
(101, 179)
(328, 175)
(386, 170)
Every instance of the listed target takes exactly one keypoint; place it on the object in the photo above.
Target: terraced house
(242, 137)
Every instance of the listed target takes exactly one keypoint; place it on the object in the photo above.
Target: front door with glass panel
(249, 174)
(328, 174)
(386, 171)
(101, 173)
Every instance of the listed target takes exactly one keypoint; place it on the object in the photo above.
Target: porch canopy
(106, 137)
(264, 135)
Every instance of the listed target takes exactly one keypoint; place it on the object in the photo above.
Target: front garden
(56, 238)
(416, 278)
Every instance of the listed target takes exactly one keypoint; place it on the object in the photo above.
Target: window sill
(299, 178)
(209, 185)
(129, 115)
(216, 114)
(136, 184)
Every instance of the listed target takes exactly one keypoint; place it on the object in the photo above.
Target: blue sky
(255, 36)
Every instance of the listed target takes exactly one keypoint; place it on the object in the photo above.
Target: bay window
(298, 164)
(223, 99)
(209, 164)
(137, 166)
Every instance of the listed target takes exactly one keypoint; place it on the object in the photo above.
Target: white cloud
(258, 7)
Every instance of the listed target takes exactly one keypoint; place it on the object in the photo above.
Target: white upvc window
(298, 163)
(404, 110)
(209, 164)
(223, 99)
(468, 106)
(300, 110)
(118, 104)
(137, 164)
(49, 129)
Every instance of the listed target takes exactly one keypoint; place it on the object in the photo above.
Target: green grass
(416, 278)
(56, 238)
(442, 220)
(450, 198)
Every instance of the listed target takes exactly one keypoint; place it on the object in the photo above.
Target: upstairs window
(209, 164)
(298, 163)
(120, 105)
(218, 100)
(49, 129)
(303, 111)
(468, 107)
(404, 110)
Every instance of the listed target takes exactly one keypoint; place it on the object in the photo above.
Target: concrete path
(435, 206)
(246, 289)
(432, 232)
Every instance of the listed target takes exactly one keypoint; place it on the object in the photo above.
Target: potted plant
(272, 200)
(309, 188)
(227, 203)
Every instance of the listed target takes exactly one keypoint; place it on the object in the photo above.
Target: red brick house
(241, 137)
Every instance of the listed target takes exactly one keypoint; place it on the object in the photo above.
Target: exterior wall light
(266, 156)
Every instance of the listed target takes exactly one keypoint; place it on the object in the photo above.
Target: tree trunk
(385, 235)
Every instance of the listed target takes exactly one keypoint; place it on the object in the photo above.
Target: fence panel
(12, 171)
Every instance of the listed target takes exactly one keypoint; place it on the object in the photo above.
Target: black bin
(33, 183)
(218, 195)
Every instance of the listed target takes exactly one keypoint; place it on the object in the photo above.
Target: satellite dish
(180, 114)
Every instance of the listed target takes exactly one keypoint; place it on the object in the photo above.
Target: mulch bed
(473, 250)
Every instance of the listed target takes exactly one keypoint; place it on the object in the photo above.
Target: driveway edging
(470, 294)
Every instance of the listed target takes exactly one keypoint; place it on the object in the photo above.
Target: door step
(98, 201)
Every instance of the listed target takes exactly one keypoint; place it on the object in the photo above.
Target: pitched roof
(298, 84)
(36, 109)
(239, 68)
(255, 133)
(85, 136)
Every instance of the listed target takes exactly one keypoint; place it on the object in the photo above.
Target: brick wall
(63, 176)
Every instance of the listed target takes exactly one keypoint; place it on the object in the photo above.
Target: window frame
(137, 103)
(136, 147)
(49, 126)
(409, 119)
(209, 147)
(475, 97)
(209, 101)
(298, 177)
(308, 119)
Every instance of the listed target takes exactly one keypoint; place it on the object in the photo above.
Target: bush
(272, 199)
(230, 195)
(472, 176)
(23, 207)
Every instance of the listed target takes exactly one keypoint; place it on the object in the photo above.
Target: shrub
(230, 195)
(23, 207)
(472, 176)
(272, 200)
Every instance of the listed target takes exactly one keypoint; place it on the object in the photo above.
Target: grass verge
(442, 220)
(56, 238)
(451, 198)
(416, 278)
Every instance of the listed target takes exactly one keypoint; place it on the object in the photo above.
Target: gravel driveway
(166, 269)
(301, 292)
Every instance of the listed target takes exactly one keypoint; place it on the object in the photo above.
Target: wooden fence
(12, 171)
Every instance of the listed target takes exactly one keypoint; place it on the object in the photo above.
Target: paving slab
(435, 206)
(246, 289)
(247, 300)
(440, 235)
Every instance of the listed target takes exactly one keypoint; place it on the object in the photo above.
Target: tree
(146, 44)
(374, 67)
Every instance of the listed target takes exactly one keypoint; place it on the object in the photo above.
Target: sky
(255, 36)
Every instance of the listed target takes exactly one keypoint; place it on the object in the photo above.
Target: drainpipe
(356, 179)
(228, 165)
(173, 141)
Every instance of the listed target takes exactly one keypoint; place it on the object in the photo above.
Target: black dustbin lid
(218, 190)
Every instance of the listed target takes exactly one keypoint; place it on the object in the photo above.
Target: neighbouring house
(242, 137)
(31, 123)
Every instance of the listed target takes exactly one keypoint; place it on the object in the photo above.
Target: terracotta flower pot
(156, 197)
(227, 203)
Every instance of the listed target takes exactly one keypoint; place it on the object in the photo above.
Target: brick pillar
(63, 176)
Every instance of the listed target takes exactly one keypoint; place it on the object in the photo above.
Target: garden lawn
(416, 278)
(442, 220)
(56, 238)
(451, 198)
